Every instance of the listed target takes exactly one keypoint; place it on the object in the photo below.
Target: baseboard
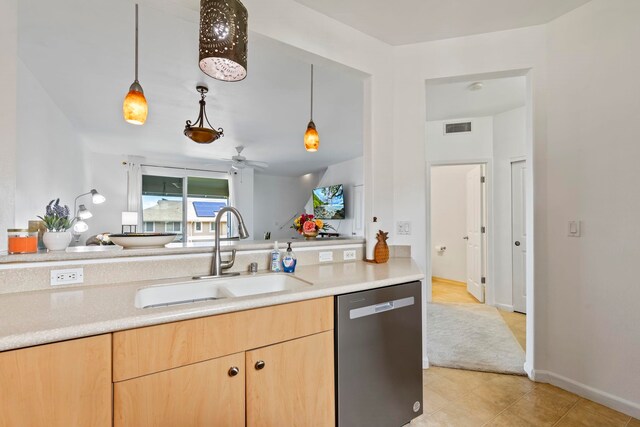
(447, 281)
(425, 362)
(504, 307)
(619, 404)
(531, 373)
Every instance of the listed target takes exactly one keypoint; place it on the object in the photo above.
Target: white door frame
(488, 222)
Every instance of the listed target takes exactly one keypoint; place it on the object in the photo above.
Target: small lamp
(83, 213)
(130, 220)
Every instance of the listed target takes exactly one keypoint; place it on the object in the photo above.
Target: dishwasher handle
(381, 308)
(385, 306)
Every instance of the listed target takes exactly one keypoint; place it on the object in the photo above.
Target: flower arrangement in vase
(57, 222)
(309, 226)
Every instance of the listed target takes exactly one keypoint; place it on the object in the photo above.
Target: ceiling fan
(239, 162)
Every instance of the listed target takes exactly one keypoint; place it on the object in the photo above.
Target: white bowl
(142, 240)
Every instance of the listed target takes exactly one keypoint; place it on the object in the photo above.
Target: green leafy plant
(56, 216)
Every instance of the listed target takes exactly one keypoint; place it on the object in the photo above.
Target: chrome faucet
(217, 266)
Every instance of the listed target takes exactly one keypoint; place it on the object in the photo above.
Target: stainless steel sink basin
(209, 290)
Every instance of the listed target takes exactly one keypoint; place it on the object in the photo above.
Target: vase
(310, 235)
(56, 240)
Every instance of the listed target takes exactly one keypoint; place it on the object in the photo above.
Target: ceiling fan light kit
(134, 107)
(197, 131)
(223, 39)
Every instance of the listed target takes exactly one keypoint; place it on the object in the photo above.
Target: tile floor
(458, 398)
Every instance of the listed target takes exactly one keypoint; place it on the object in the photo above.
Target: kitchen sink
(213, 289)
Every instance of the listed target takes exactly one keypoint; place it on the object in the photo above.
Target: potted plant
(309, 226)
(56, 220)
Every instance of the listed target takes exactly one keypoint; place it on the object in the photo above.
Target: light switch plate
(403, 228)
(574, 228)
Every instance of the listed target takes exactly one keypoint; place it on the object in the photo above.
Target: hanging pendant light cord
(311, 92)
(136, 42)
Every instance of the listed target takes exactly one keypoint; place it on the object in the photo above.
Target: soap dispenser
(289, 260)
(276, 258)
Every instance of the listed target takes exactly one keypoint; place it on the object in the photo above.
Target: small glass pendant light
(311, 137)
(134, 107)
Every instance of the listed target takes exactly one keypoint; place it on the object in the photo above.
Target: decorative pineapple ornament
(381, 251)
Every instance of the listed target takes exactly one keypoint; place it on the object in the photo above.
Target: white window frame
(153, 226)
(195, 227)
(173, 228)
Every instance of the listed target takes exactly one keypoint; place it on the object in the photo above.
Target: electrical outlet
(326, 256)
(67, 277)
(349, 255)
(403, 228)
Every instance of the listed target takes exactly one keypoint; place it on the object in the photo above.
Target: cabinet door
(64, 384)
(292, 383)
(203, 394)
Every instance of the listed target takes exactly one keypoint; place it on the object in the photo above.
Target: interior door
(292, 383)
(519, 236)
(474, 233)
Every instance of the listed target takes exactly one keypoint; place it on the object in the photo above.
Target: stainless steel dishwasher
(379, 356)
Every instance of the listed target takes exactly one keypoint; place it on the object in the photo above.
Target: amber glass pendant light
(311, 137)
(134, 107)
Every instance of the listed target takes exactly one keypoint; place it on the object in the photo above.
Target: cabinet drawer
(143, 351)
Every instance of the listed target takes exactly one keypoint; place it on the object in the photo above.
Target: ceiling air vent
(457, 127)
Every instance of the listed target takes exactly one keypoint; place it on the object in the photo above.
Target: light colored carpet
(473, 337)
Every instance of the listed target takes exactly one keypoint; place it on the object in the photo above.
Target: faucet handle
(253, 267)
(229, 264)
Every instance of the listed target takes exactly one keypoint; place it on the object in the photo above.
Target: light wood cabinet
(179, 374)
(63, 384)
(202, 394)
(292, 383)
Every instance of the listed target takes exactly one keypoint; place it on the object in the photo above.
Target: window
(149, 227)
(212, 227)
(173, 227)
(172, 199)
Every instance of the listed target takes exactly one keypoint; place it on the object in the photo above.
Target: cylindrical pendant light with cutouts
(223, 39)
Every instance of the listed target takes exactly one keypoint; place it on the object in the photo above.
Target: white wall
(58, 168)
(349, 174)
(474, 145)
(591, 333)
(509, 135)
(8, 113)
(108, 175)
(520, 49)
(277, 199)
(242, 187)
(449, 221)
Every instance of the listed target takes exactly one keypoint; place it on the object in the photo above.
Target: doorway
(477, 133)
(458, 206)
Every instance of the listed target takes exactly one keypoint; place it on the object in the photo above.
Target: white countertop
(39, 317)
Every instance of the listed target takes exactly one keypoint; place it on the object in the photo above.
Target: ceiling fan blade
(259, 165)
